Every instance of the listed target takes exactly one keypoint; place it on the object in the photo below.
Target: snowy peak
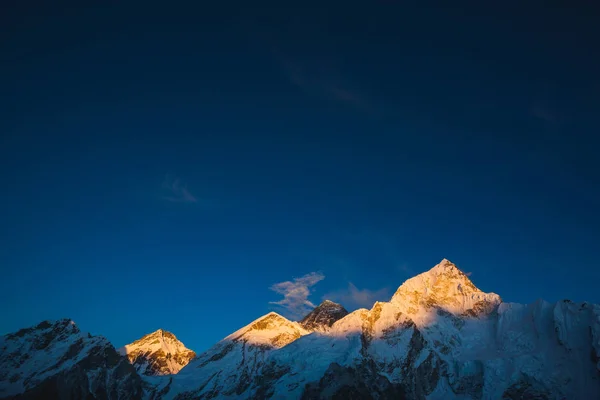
(323, 316)
(48, 331)
(445, 267)
(270, 330)
(37, 361)
(241, 354)
(158, 353)
(447, 287)
(160, 334)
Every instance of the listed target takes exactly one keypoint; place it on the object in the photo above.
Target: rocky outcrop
(323, 316)
(358, 382)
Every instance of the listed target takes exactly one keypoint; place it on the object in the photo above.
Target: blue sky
(165, 168)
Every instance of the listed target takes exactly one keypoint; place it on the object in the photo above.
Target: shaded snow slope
(54, 359)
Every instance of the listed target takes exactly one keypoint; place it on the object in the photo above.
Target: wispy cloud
(353, 297)
(295, 294)
(543, 113)
(176, 191)
(320, 78)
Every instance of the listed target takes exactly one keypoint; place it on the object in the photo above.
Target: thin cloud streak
(543, 113)
(177, 192)
(322, 81)
(353, 297)
(295, 294)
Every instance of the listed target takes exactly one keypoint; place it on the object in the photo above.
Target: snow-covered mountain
(55, 360)
(230, 367)
(323, 316)
(158, 353)
(439, 337)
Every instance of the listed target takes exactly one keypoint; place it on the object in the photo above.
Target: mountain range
(439, 337)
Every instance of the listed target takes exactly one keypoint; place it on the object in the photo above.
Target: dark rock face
(323, 316)
(264, 382)
(527, 388)
(467, 378)
(360, 382)
(54, 360)
(75, 384)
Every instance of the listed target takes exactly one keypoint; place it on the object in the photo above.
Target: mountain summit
(438, 338)
(445, 287)
(158, 353)
(323, 316)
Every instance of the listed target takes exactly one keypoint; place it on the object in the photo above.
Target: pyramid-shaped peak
(272, 314)
(445, 265)
(157, 353)
(159, 334)
(272, 330)
(323, 316)
(443, 285)
(166, 334)
(329, 303)
(269, 321)
(444, 271)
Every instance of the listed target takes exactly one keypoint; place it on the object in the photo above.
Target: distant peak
(55, 329)
(329, 303)
(323, 316)
(62, 323)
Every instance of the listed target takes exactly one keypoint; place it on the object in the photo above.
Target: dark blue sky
(163, 167)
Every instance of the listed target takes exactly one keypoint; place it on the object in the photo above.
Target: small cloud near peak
(295, 294)
(353, 297)
(176, 191)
